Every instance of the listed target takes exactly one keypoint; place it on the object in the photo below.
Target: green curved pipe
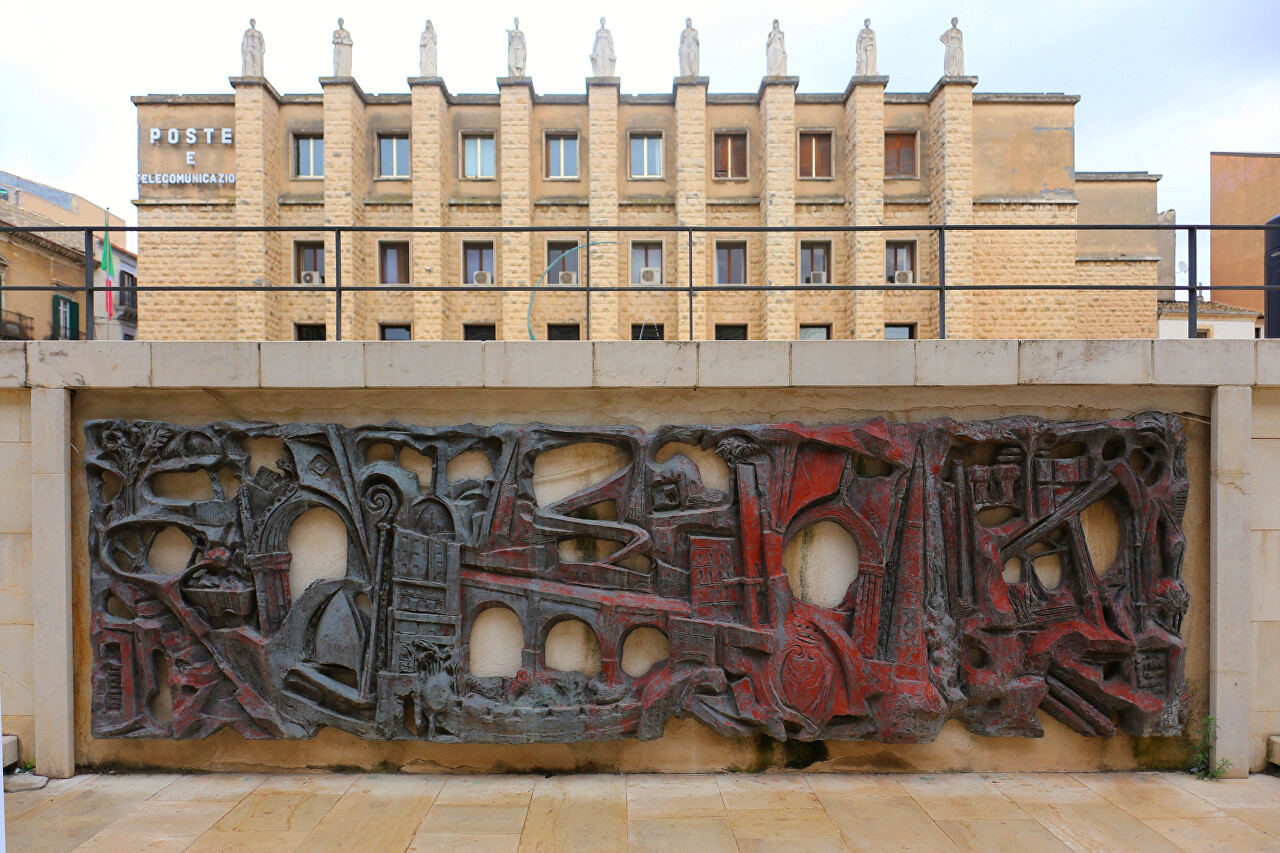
(528, 318)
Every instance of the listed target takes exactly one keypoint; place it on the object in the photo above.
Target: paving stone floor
(203, 813)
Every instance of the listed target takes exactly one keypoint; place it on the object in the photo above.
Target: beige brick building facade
(603, 160)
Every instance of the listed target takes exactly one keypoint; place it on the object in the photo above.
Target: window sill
(902, 177)
(816, 178)
(479, 179)
(729, 180)
(308, 177)
(391, 178)
(563, 180)
(647, 178)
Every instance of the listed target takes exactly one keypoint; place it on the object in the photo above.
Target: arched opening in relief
(821, 561)
(1101, 528)
(414, 462)
(572, 646)
(171, 551)
(643, 649)
(561, 472)
(497, 641)
(161, 703)
(468, 465)
(380, 452)
(318, 543)
(263, 453)
(182, 486)
(712, 468)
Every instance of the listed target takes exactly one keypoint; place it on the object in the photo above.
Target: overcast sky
(1162, 82)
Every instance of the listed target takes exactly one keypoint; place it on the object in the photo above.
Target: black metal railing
(941, 288)
(15, 326)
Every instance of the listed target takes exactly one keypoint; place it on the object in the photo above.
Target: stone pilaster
(602, 176)
(346, 177)
(515, 151)
(949, 160)
(261, 258)
(778, 203)
(864, 203)
(691, 199)
(428, 144)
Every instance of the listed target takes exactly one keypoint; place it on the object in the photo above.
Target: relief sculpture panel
(849, 581)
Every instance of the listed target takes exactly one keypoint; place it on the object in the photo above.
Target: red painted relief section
(976, 596)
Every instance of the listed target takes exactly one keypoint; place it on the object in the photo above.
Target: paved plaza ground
(157, 813)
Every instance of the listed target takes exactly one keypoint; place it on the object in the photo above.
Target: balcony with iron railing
(690, 288)
(15, 326)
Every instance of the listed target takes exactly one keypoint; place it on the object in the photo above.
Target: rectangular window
(66, 319)
(561, 257)
(900, 257)
(477, 156)
(479, 332)
(647, 332)
(730, 155)
(815, 332)
(310, 156)
(127, 291)
(646, 155)
(393, 156)
(393, 263)
(731, 331)
(476, 258)
(309, 332)
(900, 155)
(899, 331)
(308, 257)
(564, 332)
(646, 256)
(562, 155)
(731, 263)
(395, 332)
(815, 155)
(815, 262)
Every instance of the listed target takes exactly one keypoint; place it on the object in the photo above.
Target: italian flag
(108, 267)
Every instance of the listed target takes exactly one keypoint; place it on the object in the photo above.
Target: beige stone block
(674, 796)
(1225, 833)
(220, 364)
(1148, 795)
(744, 364)
(51, 423)
(1267, 363)
(312, 364)
(51, 617)
(97, 364)
(1094, 827)
(853, 363)
(15, 578)
(465, 843)
(982, 835)
(15, 416)
(424, 364)
(17, 669)
(8, 750)
(264, 841)
(1203, 362)
(645, 364)
(966, 362)
(481, 820)
(537, 364)
(15, 496)
(1265, 487)
(1043, 788)
(278, 812)
(887, 824)
(782, 823)
(960, 797)
(13, 364)
(678, 835)
(1265, 589)
(1265, 695)
(1266, 412)
(495, 790)
(1111, 362)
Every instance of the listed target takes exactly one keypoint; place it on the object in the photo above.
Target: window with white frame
(393, 155)
(646, 255)
(646, 155)
(309, 156)
(815, 262)
(477, 257)
(561, 155)
(477, 156)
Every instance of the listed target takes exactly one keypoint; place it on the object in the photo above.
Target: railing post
(1193, 288)
(586, 283)
(89, 321)
(690, 284)
(337, 280)
(942, 284)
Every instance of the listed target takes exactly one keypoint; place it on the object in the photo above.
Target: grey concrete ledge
(637, 364)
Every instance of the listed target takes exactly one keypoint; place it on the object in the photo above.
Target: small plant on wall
(1203, 766)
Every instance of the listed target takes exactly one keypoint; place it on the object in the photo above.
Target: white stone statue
(603, 58)
(427, 52)
(689, 50)
(252, 48)
(775, 52)
(341, 52)
(866, 51)
(517, 51)
(953, 64)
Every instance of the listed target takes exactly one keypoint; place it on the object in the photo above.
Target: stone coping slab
(621, 364)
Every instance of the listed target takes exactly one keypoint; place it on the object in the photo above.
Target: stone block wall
(17, 631)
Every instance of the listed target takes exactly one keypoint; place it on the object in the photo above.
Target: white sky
(1162, 82)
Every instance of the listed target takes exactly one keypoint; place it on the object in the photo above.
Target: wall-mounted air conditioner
(568, 277)
(651, 275)
(817, 278)
(482, 277)
(310, 278)
(904, 277)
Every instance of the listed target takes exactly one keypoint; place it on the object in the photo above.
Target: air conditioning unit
(310, 278)
(651, 275)
(818, 278)
(568, 278)
(904, 277)
(482, 277)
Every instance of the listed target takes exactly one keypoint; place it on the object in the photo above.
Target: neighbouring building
(1244, 189)
(602, 159)
(58, 207)
(1213, 320)
(50, 259)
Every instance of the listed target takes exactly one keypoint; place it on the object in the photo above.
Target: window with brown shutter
(900, 155)
(815, 155)
(730, 155)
